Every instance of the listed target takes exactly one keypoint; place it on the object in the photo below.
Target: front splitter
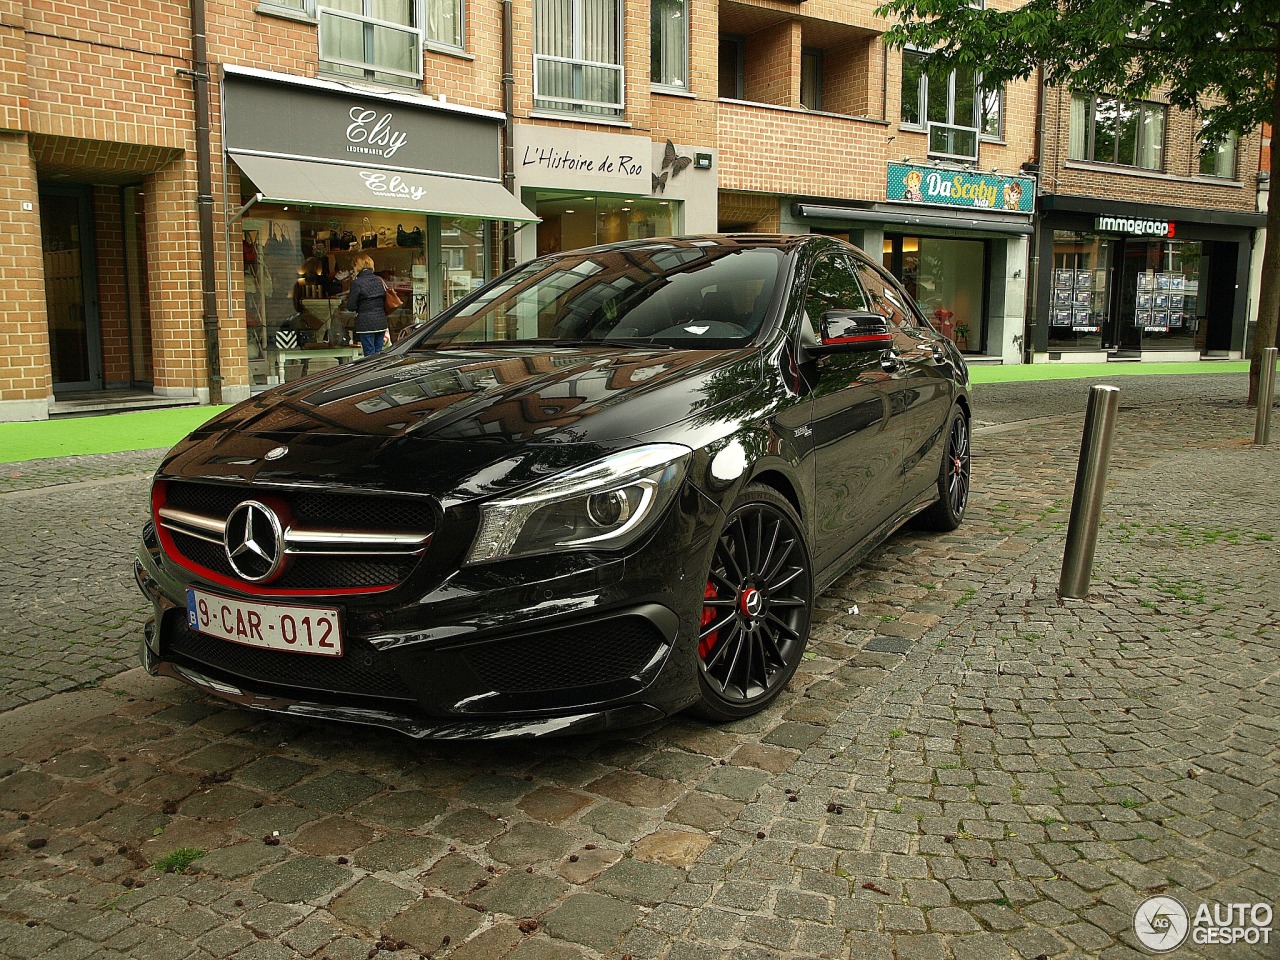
(597, 721)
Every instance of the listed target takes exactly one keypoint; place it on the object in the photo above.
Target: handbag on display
(392, 300)
(408, 238)
(343, 240)
(279, 243)
(368, 240)
(286, 339)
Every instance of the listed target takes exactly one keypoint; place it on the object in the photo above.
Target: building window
(379, 40)
(1218, 159)
(669, 43)
(577, 58)
(443, 23)
(811, 78)
(1115, 131)
(955, 109)
(731, 67)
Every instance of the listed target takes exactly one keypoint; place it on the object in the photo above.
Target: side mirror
(852, 331)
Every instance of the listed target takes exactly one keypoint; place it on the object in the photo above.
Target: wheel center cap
(751, 602)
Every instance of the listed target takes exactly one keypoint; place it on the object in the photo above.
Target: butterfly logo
(672, 166)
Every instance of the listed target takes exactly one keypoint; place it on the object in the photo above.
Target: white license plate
(271, 626)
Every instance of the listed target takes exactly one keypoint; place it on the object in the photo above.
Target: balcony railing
(953, 142)
(565, 83)
(366, 43)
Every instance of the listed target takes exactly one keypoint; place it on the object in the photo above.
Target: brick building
(1145, 241)
(445, 139)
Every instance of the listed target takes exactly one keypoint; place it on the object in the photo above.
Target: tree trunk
(1269, 292)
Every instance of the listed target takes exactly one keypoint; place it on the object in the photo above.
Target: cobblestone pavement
(965, 767)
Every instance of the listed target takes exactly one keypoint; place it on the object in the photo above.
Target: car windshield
(690, 295)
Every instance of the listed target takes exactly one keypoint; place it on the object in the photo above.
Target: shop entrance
(71, 288)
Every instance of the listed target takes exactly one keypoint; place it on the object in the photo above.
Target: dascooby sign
(1135, 226)
(959, 188)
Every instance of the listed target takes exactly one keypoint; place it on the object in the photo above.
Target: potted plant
(962, 336)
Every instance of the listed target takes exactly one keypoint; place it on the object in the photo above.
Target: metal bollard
(1086, 501)
(1266, 396)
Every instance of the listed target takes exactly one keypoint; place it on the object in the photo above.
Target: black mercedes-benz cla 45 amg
(602, 489)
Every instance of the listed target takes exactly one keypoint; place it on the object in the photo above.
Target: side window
(833, 285)
(886, 300)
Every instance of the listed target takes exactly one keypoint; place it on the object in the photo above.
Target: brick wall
(1178, 184)
(113, 303)
(771, 58)
(24, 331)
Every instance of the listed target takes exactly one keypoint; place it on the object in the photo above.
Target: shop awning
(288, 180)
(963, 219)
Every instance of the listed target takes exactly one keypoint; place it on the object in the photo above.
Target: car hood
(439, 418)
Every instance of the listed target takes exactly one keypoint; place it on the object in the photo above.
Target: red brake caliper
(708, 643)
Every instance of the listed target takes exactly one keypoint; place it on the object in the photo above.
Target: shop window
(577, 57)
(571, 221)
(1218, 158)
(463, 252)
(1116, 131)
(811, 78)
(1078, 303)
(1159, 295)
(731, 68)
(669, 44)
(954, 109)
(947, 280)
(379, 40)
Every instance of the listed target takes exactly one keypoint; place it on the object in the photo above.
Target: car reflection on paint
(600, 490)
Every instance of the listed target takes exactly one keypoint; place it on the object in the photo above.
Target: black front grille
(312, 508)
(306, 572)
(574, 657)
(361, 670)
(317, 510)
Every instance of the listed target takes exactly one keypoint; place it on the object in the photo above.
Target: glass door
(71, 288)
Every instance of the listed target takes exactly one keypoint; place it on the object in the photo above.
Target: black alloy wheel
(756, 607)
(953, 477)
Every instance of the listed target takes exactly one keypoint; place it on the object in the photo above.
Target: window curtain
(600, 43)
(369, 43)
(392, 48)
(444, 22)
(1151, 140)
(583, 30)
(667, 49)
(1079, 128)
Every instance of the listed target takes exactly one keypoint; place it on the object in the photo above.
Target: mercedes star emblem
(254, 541)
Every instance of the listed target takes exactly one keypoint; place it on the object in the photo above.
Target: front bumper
(421, 728)
(555, 646)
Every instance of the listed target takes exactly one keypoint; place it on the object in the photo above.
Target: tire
(757, 600)
(947, 513)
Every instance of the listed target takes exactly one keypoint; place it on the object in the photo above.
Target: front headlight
(605, 505)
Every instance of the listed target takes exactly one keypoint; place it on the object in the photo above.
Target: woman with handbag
(368, 298)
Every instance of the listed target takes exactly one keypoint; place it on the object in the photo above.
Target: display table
(282, 356)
